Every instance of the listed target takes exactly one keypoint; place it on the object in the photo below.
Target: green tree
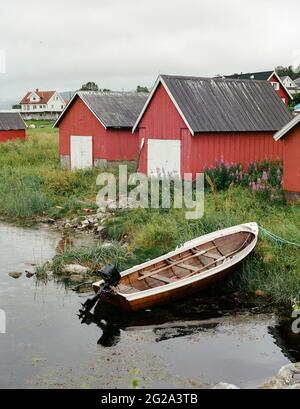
(288, 71)
(140, 88)
(89, 86)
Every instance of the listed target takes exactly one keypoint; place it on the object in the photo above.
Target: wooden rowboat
(185, 271)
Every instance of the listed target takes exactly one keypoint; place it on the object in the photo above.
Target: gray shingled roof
(113, 109)
(225, 105)
(11, 121)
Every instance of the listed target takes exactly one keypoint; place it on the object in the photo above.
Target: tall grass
(93, 257)
(32, 182)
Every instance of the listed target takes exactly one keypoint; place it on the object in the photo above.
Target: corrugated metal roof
(113, 109)
(11, 121)
(225, 105)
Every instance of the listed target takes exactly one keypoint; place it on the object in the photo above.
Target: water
(195, 343)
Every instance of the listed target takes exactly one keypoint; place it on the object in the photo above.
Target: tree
(288, 71)
(295, 101)
(140, 88)
(89, 86)
(16, 106)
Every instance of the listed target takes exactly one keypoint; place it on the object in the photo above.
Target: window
(34, 106)
(283, 100)
(275, 85)
(41, 106)
(62, 107)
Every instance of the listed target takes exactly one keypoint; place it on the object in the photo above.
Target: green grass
(32, 183)
(93, 257)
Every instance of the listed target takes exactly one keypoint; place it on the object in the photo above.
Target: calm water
(189, 344)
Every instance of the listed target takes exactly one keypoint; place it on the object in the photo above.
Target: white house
(289, 84)
(42, 105)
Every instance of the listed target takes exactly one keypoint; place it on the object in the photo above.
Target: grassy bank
(33, 185)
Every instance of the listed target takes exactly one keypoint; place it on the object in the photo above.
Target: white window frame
(275, 85)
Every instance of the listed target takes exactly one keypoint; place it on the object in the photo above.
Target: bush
(263, 178)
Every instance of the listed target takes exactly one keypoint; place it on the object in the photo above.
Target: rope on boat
(277, 238)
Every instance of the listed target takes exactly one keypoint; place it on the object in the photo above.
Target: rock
(29, 274)
(76, 278)
(100, 229)
(75, 269)
(260, 293)
(223, 385)
(288, 372)
(15, 275)
(32, 126)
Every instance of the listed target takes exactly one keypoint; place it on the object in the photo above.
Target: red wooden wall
(6, 136)
(281, 92)
(162, 121)
(291, 161)
(109, 144)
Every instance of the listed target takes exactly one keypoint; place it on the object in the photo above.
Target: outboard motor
(111, 277)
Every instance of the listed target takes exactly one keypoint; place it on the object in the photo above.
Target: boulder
(75, 269)
(223, 385)
(76, 278)
(15, 275)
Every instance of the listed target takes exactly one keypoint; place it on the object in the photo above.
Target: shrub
(263, 178)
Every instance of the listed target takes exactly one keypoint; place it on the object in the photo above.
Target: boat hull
(168, 296)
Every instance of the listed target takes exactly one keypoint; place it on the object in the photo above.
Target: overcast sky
(60, 44)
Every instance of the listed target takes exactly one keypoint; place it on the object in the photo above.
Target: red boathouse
(191, 123)
(95, 129)
(12, 126)
(289, 135)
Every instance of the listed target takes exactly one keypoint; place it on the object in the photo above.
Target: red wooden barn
(290, 135)
(272, 77)
(190, 123)
(12, 126)
(95, 129)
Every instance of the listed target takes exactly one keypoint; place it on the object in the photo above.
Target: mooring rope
(277, 238)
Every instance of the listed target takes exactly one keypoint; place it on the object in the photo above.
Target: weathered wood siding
(6, 136)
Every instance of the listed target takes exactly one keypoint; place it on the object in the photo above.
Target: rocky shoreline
(288, 377)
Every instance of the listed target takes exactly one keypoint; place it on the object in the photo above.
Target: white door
(164, 157)
(81, 152)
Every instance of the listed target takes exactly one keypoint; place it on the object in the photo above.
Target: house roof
(112, 109)
(11, 121)
(297, 82)
(45, 96)
(224, 105)
(287, 128)
(260, 76)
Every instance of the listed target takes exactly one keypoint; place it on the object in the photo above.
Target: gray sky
(119, 44)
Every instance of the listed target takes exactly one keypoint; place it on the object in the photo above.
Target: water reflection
(285, 339)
